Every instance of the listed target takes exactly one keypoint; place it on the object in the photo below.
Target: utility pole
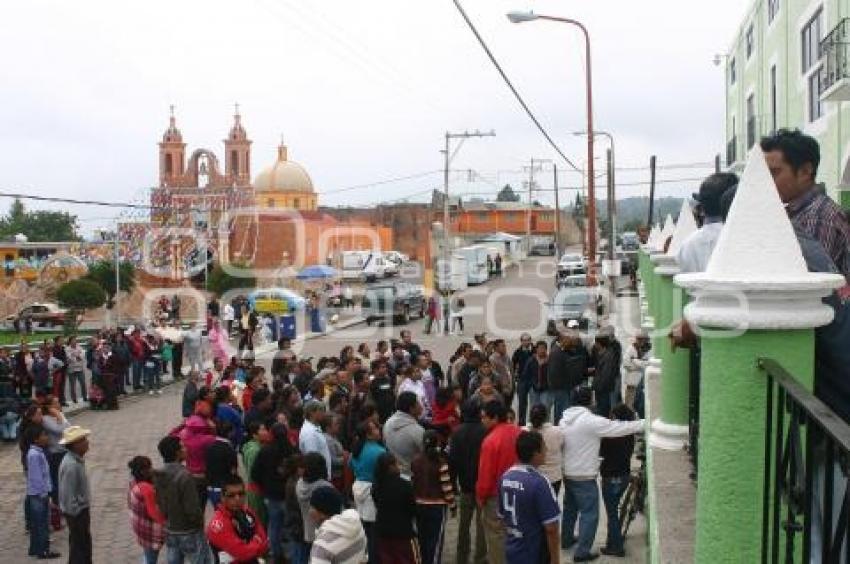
(651, 190)
(536, 165)
(612, 233)
(557, 210)
(445, 268)
(717, 162)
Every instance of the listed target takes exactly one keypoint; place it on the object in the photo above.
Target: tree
(507, 194)
(78, 296)
(39, 225)
(102, 273)
(221, 281)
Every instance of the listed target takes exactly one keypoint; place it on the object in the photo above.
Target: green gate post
(756, 299)
(670, 431)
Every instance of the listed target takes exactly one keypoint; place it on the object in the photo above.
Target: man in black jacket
(464, 449)
(521, 355)
(381, 390)
(567, 369)
(268, 472)
(606, 375)
(221, 462)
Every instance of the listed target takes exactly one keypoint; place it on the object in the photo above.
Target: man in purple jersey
(528, 506)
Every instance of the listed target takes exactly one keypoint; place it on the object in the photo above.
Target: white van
(452, 276)
(476, 263)
(364, 266)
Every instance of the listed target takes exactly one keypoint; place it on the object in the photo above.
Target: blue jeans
(138, 366)
(9, 426)
(152, 378)
(612, 490)
(581, 502)
(561, 400)
(39, 515)
(187, 547)
(277, 515)
(544, 398)
(297, 551)
(150, 555)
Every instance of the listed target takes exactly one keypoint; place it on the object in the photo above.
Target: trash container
(287, 326)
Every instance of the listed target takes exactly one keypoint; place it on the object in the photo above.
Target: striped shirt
(817, 215)
(340, 540)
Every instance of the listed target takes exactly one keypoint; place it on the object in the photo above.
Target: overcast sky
(362, 90)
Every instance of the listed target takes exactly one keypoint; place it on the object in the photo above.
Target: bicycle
(634, 499)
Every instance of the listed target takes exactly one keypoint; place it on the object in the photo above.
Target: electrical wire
(380, 182)
(512, 88)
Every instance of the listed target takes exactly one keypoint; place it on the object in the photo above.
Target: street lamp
(520, 17)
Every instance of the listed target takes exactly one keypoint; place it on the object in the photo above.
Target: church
(271, 224)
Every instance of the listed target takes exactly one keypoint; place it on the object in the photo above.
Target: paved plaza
(511, 304)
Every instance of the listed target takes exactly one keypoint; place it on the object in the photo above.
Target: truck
(476, 263)
(396, 302)
(451, 276)
(364, 266)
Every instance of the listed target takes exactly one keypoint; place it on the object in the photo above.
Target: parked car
(42, 314)
(396, 302)
(542, 250)
(572, 260)
(630, 241)
(580, 304)
(364, 266)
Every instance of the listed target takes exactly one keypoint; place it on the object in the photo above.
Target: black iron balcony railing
(807, 450)
(835, 55)
(751, 132)
(731, 151)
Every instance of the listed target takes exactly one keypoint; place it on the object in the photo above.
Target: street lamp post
(445, 268)
(520, 17)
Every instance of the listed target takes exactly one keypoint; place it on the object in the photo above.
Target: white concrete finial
(744, 248)
(654, 241)
(684, 228)
(757, 277)
(667, 230)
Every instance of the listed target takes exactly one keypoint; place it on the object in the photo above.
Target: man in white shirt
(311, 438)
(229, 316)
(412, 382)
(695, 251)
(583, 432)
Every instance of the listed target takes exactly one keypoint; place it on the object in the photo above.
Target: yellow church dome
(283, 176)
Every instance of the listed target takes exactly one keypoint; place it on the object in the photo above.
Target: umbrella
(316, 272)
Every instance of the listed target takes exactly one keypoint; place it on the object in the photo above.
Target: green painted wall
(779, 43)
(732, 426)
(675, 381)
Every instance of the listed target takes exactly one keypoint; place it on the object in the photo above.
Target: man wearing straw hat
(74, 494)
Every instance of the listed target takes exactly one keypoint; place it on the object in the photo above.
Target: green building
(789, 66)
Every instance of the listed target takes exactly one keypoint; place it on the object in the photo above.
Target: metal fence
(693, 410)
(807, 451)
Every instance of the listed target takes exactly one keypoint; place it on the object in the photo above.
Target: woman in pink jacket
(197, 434)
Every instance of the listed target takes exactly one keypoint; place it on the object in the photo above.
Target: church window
(297, 204)
(234, 161)
(168, 165)
(270, 202)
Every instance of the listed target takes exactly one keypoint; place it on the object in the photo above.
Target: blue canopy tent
(317, 272)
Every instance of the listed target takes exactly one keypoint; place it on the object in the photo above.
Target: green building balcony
(834, 79)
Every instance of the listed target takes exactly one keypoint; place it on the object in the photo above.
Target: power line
(512, 88)
(79, 202)
(378, 183)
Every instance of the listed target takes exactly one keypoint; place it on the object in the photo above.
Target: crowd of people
(366, 456)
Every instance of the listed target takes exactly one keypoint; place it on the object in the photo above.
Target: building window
(811, 36)
(296, 203)
(749, 40)
(482, 216)
(815, 108)
(168, 165)
(732, 69)
(751, 120)
(234, 162)
(270, 202)
(810, 56)
(773, 99)
(772, 9)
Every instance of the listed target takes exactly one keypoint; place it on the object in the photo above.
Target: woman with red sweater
(146, 520)
(445, 414)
